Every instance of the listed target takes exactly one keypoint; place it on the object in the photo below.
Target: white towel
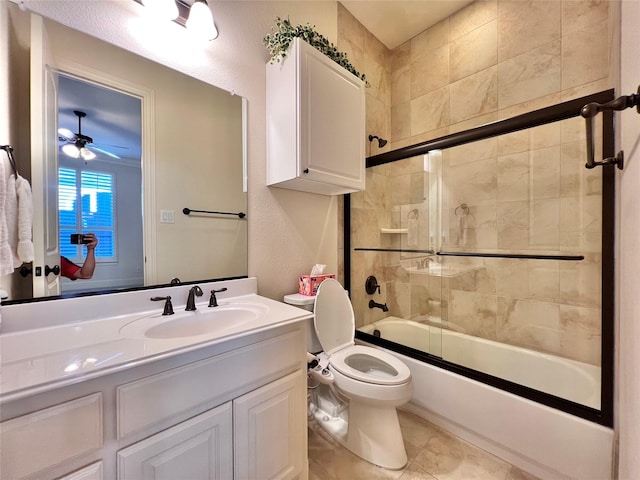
(24, 248)
(19, 218)
(6, 258)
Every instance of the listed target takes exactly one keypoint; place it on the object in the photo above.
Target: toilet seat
(370, 365)
(335, 326)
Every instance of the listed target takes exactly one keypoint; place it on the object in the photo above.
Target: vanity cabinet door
(198, 449)
(90, 472)
(270, 431)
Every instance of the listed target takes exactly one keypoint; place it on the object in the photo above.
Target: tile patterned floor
(433, 453)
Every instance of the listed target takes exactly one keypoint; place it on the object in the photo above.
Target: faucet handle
(213, 301)
(168, 306)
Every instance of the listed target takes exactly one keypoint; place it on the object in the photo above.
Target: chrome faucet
(191, 299)
(381, 306)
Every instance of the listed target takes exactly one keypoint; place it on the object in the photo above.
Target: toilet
(373, 381)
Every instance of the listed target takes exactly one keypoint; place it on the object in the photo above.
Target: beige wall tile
(581, 337)
(429, 40)
(400, 122)
(473, 313)
(526, 25)
(545, 172)
(529, 324)
(579, 14)
(484, 98)
(473, 183)
(401, 85)
(513, 225)
(533, 74)
(474, 51)
(429, 72)
(471, 17)
(513, 177)
(430, 111)
(471, 152)
(544, 230)
(585, 55)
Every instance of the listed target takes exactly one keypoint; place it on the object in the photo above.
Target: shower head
(381, 141)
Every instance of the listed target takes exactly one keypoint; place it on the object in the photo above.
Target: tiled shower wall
(526, 192)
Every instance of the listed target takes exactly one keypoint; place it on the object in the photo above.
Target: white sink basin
(204, 321)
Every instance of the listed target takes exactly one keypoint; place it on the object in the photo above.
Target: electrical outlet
(167, 216)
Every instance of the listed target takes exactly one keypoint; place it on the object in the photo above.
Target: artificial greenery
(278, 43)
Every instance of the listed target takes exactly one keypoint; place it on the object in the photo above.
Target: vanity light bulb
(200, 21)
(162, 9)
(71, 150)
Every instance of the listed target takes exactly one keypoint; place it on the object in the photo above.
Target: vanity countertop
(35, 360)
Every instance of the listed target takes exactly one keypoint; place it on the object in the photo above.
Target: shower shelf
(394, 230)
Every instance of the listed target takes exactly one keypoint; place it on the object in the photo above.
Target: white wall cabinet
(315, 124)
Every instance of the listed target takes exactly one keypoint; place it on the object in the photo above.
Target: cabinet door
(270, 431)
(198, 449)
(332, 121)
(90, 472)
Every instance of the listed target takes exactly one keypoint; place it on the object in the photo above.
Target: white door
(197, 449)
(270, 431)
(44, 162)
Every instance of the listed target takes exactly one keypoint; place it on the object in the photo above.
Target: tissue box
(308, 284)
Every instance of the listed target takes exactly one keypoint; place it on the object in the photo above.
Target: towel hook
(461, 210)
(12, 160)
(590, 110)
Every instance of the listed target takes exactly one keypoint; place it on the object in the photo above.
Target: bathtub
(572, 380)
(546, 442)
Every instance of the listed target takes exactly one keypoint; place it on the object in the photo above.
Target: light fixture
(195, 17)
(200, 21)
(162, 9)
(76, 145)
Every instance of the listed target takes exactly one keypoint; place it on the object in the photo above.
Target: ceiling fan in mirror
(78, 145)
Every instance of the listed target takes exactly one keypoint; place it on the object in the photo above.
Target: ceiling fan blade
(66, 134)
(106, 152)
(110, 145)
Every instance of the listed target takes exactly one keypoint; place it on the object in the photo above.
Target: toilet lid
(334, 320)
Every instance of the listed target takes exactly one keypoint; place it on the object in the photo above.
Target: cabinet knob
(306, 170)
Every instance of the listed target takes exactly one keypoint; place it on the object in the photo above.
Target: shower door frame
(555, 113)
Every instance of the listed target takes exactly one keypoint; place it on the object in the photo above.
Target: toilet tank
(306, 302)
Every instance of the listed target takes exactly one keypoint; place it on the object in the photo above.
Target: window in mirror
(85, 204)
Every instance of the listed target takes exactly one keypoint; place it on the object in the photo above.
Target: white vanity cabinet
(234, 410)
(315, 124)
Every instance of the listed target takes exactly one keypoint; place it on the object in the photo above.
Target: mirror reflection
(162, 142)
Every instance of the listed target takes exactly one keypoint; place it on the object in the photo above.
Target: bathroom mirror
(192, 157)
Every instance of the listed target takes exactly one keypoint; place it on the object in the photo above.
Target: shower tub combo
(477, 251)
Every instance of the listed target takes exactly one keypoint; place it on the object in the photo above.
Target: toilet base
(372, 433)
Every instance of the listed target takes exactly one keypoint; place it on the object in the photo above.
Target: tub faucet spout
(381, 306)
